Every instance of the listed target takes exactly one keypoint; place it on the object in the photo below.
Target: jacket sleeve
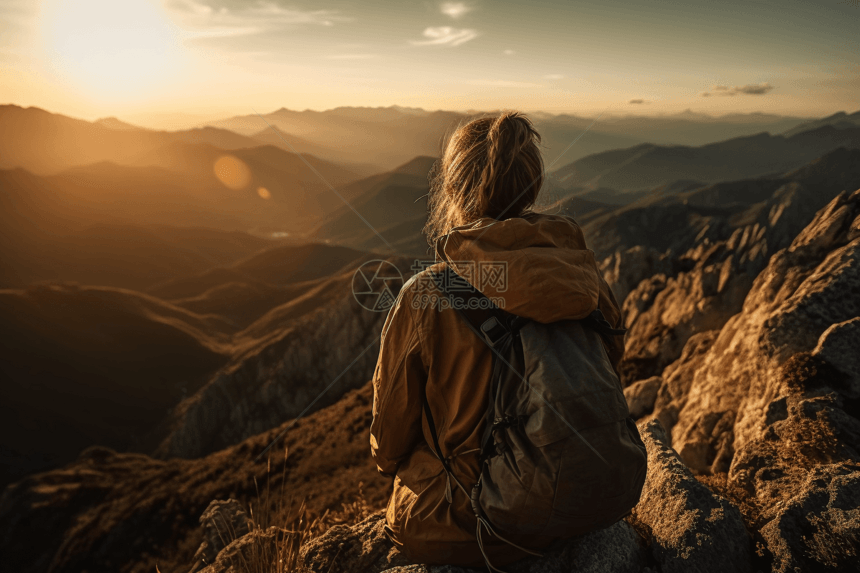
(397, 391)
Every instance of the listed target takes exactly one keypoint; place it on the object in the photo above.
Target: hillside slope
(309, 350)
(94, 365)
(128, 512)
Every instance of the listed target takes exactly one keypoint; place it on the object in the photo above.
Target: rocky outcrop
(805, 289)
(803, 470)
(719, 245)
(641, 395)
(692, 529)
(674, 383)
(222, 523)
(295, 360)
(770, 399)
(625, 269)
(838, 345)
(819, 527)
(361, 548)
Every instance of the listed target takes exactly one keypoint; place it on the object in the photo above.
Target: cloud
(749, 89)
(509, 52)
(199, 19)
(446, 36)
(455, 9)
(637, 101)
(504, 84)
(553, 77)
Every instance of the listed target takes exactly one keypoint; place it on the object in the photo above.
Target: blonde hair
(491, 167)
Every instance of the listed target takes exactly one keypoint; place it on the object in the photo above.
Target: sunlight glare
(116, 49)
(232, 172)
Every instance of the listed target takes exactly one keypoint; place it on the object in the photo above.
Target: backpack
(560, 454)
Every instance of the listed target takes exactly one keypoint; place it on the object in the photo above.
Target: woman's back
(535, 266)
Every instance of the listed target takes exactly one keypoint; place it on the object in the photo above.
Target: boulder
(222, 522)
(616, 549)
(258, 550)
(677, 378)
(641, 396)
(803, 472)
(361, 548)
(692, 529)
(818, 529)
(840, 346)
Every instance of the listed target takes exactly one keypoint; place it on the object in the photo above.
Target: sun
(115, 48)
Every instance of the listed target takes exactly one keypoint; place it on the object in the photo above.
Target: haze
(175, 63)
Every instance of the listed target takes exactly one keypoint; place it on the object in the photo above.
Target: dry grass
(278, 532)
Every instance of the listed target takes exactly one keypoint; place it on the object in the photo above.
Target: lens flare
(232, 172)
(264, 193)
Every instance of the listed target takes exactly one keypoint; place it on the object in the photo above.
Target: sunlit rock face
(625, 269)
(703, 280)
(804, 290)
(771, 397)
(692, 529)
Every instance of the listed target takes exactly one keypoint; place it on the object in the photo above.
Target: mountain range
(173, 302)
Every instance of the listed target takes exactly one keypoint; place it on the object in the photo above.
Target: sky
(162, 62)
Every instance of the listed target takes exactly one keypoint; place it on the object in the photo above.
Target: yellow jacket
(550, 275)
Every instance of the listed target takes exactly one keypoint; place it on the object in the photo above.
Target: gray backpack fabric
(560, 454)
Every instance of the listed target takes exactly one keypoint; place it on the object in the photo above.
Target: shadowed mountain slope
(647, 165)
(84, 365)
(246, 290)
(277, 265)
(106, 366)
(281, 362)
(383, 201)
(840, 120)
(81, 229)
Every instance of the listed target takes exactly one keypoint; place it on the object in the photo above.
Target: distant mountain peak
(115, 123)
(419, 165)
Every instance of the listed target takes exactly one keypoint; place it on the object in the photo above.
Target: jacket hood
(538, 265)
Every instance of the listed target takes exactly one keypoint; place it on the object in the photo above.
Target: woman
(480, 213)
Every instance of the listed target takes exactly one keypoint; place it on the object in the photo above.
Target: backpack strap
(494, 327)
(487, 321)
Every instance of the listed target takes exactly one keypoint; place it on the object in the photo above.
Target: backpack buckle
(493, 330)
